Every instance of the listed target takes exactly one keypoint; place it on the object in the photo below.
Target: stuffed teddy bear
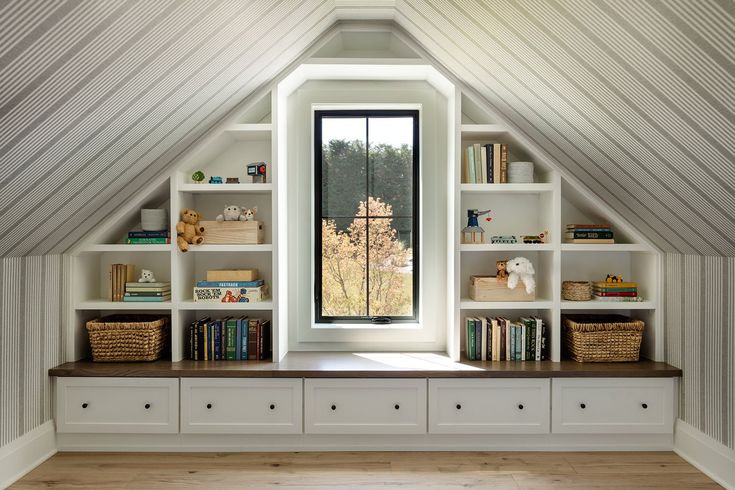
(146, 276)
(502, 266)
(188, 230)
(521, 269)
(249, 213)
(231, 213)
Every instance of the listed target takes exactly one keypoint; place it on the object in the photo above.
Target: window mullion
(367, 216)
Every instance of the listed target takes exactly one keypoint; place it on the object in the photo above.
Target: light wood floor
(383, 470)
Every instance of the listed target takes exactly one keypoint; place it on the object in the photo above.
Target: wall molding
(706, 454)
(26, 452)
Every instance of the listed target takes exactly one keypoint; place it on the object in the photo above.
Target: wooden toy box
(489, 288)
(232, 232)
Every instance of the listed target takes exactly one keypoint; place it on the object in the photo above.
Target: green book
(471, 337)
(471, 164)
(231, 339)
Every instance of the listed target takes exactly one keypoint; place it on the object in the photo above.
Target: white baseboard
(707, 455)
(25, 453)
(330, 442)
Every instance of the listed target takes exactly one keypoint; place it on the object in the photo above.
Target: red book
(627, 294)
(253, 339)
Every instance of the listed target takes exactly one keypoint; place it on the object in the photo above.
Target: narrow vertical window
(366, 226)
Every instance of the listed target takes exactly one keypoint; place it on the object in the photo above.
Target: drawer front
(613, 405)
(241, 406)
(489, 406)
(365, 406)
(114, 405)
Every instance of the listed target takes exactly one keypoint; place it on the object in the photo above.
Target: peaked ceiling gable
(635, 99)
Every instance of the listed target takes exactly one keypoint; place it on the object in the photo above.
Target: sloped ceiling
(634, 97)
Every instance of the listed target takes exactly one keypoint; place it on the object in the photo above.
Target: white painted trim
(25, 453)
(704, 453)
(364, 442)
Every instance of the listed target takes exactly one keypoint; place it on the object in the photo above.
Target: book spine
(478, 163)
(623, 294)
(471, 164)
(589, 234)
(146, 299)
(503, 164)
(148, 241)
(524, 342)
(252, 340)
(230, 284)
(478, 339)
(506, 341)
(149, 234)
(616, 290)
(489, 163)
(483, 164)
(496, 163)
(595, 226)
(148, 293)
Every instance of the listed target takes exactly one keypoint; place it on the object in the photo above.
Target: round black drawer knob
(147, 406)
(582, 405)
(520, 406)
(273, 406)
(396, 406)
(459, 407)
(85, 405)
(334, 407)
(209, 406)
(644, 405)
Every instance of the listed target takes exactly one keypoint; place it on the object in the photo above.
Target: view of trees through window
(366, 198)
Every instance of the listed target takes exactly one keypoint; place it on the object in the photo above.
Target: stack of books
(485, 164)
(147, 292)
(615, 291)
(589, 233)
(499, 339)
(230, 291)
(230, 339)
(119, 275)
(148, 237)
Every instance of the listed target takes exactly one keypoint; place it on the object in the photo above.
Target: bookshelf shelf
(263, 247)
(469, 304)
(506, 247)
(194, 305)
(607, 305)
(507, 188)
(483, 130)
(121, 305)
(250, 132)
(122, 247)
(226, 188)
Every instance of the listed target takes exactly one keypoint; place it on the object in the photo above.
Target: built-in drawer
(489, 406)
(113, 405)
(241, 406)
(365, 406)
(612, 405)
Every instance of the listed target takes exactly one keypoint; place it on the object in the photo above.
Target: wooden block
(233, 232)
(240, 275)
(489, 288)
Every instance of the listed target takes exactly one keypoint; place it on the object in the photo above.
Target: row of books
(485, 164)
(589, 233)
(499, 339)
(615, 291)
(156, 292)
(230, 291)
(148, 237)
(120, 275)
(230, 339)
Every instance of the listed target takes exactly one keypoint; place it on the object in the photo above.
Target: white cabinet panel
(489, 406)
(241, 406)
(113, 405)
(612, 405)
(365, 406)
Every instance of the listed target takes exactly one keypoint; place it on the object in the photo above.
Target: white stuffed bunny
(521, 268)
(231, 213)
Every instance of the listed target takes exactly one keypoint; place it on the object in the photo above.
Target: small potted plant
(198, 177)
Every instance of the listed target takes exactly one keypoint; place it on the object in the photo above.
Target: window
(366, 221)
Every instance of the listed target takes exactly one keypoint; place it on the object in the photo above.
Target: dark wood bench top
(366, 365)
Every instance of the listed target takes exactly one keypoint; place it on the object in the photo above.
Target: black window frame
(366, 113)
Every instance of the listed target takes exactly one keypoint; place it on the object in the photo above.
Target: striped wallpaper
(700, 339)
(31, 313)
(634, 97)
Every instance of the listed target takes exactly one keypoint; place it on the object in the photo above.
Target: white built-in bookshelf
(549, 203)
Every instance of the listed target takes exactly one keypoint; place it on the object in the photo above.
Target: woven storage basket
(128, 337)
(576, 290)
(602, 338)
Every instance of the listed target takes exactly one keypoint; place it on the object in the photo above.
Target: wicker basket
(602, 338)
(576, 290)
(128, 337)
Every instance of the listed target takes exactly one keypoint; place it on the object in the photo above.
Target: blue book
(478, 339)
(238, 338)
(149, 234)
(217, 284)
(244, 338)
(218, 340)
(512, 355)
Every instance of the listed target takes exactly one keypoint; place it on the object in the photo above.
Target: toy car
(215, 180)
(503, 239)
(232, 180)
(532, 239)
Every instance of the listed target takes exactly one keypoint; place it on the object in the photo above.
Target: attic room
(360, 244)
